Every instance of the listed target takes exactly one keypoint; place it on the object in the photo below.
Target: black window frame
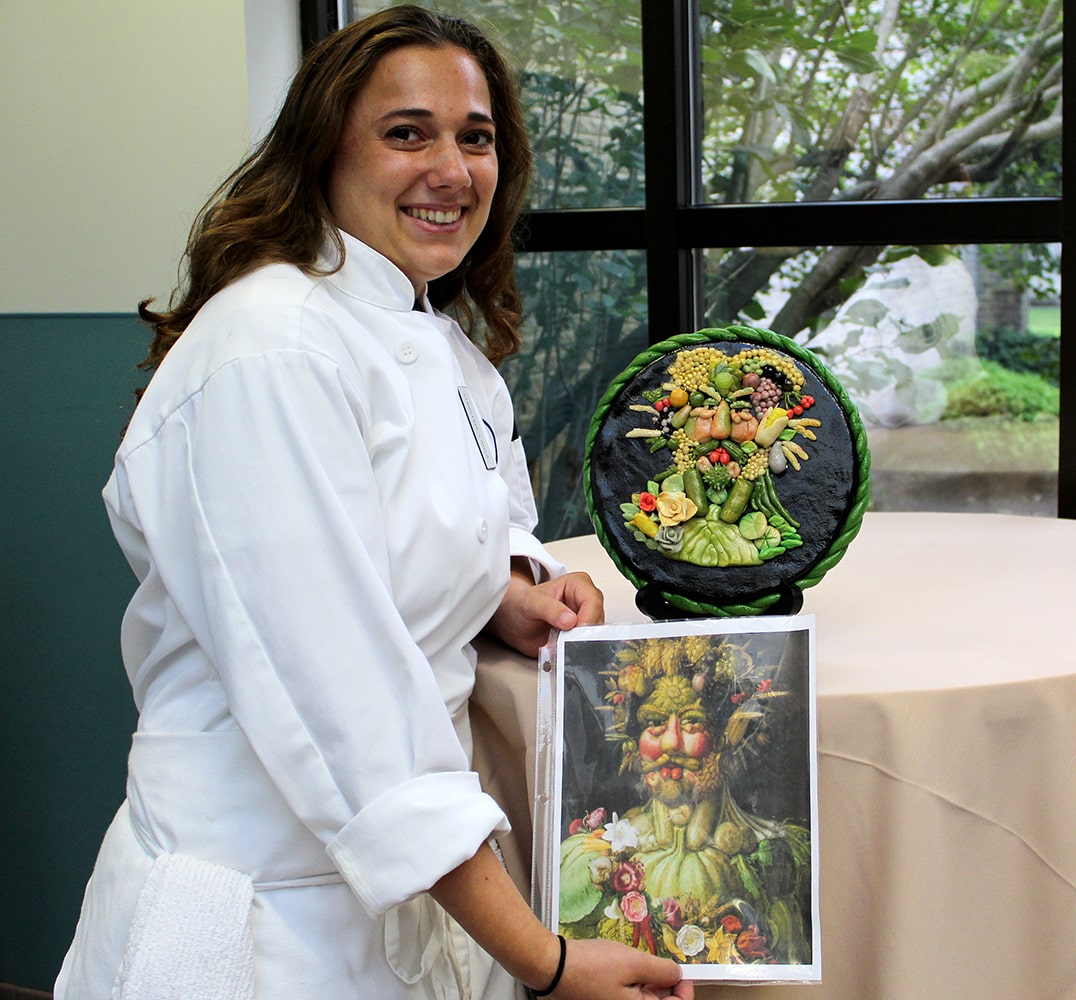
(673, 228)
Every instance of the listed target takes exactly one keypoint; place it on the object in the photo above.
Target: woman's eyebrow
(475, 116)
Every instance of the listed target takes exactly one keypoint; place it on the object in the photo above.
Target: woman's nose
(448, 168)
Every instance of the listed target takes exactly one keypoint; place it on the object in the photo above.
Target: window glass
(580, 65)
(880, 99)
(584, 321)
(951, 355)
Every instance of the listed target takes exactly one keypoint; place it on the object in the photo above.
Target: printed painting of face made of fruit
(684, 794)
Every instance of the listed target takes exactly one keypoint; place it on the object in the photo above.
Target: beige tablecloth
(947, 756)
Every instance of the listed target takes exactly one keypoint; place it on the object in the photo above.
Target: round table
(946, 679)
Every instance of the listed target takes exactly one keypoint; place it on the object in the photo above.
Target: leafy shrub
(1020, 351)
(1000, 391)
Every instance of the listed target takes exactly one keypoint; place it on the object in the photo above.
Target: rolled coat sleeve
(263, 517)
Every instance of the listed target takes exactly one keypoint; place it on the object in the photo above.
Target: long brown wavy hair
(273, 207)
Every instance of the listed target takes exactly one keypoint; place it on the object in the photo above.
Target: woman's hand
(609, 969)
(485, 901)
(529, 610)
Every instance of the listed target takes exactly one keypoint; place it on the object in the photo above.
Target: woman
(323, 499)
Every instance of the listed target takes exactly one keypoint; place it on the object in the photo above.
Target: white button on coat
(406, 352)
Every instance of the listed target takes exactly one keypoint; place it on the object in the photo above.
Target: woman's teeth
(428, 215)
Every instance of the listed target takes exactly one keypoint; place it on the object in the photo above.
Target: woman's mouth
(441, 217)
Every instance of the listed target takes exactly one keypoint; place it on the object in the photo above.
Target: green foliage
(1044, 320)
(839, 100)
(810, 102)
(586, 316)
(999, 391)
(1033, 268)
(1022, 352)
(587, 144)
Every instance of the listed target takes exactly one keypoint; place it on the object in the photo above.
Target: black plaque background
(818, 495)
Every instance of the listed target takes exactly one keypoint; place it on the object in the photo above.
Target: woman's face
(416, 167)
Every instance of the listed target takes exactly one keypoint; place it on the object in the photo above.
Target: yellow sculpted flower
(675, 507)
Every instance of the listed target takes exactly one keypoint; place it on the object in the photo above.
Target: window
(951, 354)
(702, 162)
(805, 101)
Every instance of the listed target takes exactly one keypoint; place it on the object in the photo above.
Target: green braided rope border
(744, 334)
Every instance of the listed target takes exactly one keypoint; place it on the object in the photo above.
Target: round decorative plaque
(725, 471)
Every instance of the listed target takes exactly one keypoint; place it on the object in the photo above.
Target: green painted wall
(66, 390)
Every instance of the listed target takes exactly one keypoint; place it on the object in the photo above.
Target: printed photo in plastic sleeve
(677, 794)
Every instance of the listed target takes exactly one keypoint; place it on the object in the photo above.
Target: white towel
(190, 936)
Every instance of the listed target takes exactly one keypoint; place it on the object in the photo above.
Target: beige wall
(118, 120)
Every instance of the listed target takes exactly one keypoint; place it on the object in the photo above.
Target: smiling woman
(275, 206)
(416, 168)
(324, 501)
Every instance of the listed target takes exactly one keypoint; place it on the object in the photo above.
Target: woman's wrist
(480, 895)
(555, 981)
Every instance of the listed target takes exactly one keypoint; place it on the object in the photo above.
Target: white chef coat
(319, 494)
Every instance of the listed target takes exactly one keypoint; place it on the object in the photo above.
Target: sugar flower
(675, 506)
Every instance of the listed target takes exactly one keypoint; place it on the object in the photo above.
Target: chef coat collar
(371, 277)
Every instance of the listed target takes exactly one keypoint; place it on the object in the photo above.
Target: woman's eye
(404, 133)
(480, 138)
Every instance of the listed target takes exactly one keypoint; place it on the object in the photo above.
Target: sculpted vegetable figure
(744, 426)
(730, 424)
(771, 425)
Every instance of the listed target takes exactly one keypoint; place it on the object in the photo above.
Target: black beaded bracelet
(560, 969)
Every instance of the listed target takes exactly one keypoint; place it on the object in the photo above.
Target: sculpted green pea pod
(696, 491)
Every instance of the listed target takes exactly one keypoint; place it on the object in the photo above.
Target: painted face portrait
(683, 847)
(676, 746)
